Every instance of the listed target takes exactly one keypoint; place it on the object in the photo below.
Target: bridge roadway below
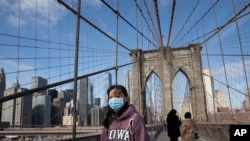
(50, 131)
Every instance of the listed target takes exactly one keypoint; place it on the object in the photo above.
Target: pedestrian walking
(173, 125)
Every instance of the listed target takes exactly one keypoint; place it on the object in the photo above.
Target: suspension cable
(92, 24)
(223, 60)
(241, 50)
(171, 22)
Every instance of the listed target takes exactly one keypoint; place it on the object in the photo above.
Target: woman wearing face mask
(122, 121)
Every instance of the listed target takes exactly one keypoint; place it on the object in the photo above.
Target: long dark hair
(109, 112)
(119, 87)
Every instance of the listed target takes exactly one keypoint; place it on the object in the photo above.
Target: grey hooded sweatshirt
(121, 129)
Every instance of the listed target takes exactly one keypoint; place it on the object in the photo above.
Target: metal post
(76, 68)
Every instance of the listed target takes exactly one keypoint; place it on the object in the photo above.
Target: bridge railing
(219, 132)
(65, 133)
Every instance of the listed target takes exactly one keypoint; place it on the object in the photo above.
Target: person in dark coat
(173, 125)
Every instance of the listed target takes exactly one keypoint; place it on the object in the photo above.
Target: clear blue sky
(50, 24)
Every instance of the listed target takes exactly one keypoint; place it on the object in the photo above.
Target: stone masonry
(166, 63)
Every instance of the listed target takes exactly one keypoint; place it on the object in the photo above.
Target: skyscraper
(37, 82)
(96, 116)
(67, 95)
(220, 99)
(2, 88)
(57, 111)
(97, 102)
(107, 84)
(41, 110)
(17, 111)
(128, 83)
(53, 94)
(208, 90)
(41, 103)
(90, 96)
(83, 101)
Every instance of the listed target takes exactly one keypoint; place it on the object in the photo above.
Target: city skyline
(42, 104)
(185, 55)
(37, 41)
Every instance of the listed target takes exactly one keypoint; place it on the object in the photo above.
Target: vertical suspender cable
(49, 58)
(76, 68)
(224, 65)
(241, 50)
(18, 61)
(117, 22)
(209, 66)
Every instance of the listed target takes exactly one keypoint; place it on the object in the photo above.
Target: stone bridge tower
(166, 63)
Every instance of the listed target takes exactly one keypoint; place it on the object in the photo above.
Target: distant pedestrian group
(186, 129)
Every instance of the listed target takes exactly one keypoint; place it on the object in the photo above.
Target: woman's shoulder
(136, 116)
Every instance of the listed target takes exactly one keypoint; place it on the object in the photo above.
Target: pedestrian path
(163, 136)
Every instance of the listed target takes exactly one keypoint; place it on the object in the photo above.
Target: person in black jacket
(173, 125)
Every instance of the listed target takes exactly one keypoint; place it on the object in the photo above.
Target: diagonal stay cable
(189, 16)
(158, 20)
(92, 24)
(228, 22)
(171, 22)
(31, 91)
(198, 21)
(125, 20)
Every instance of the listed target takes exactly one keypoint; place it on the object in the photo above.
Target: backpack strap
(130, 125)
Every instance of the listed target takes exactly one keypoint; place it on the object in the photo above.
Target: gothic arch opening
(154, 101)
(175, 60)
(181, 95)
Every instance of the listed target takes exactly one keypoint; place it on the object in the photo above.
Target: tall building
(17, 111)
(244, 105)
(96, 116)
(97, 102)
(2, 88)
(69, 94)
(107, 84)
(128, 83)
(66, 95)
(220, 99)
(247, 97)
(53, 94)
(83, 101)
(41, 110)
(37, 82)
(207, 80)
(41, 103)
(90, 93)
(57, 111)
(90, 99)
(184, 107)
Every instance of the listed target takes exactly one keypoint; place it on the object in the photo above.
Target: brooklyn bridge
(58, 58)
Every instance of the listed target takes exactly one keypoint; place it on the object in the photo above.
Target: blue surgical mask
(116, 104)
